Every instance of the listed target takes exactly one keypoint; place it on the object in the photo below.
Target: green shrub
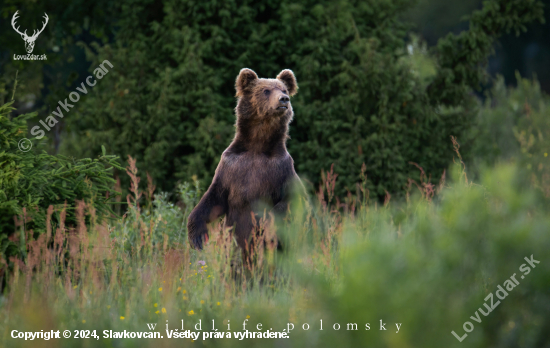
(157, 222)
(32, 181)
(432, 270)
(514, 125)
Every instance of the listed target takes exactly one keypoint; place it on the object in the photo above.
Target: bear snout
(283, 102)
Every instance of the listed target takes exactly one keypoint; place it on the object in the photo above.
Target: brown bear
(256, 171)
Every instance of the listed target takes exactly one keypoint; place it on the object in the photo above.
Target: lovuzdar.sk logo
(29, 40)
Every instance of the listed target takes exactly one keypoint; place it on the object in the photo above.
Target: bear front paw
(198, 241)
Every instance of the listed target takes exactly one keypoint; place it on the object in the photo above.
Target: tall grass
(426, 263)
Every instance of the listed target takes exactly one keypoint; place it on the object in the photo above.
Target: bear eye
(267, 91)
(285, 92)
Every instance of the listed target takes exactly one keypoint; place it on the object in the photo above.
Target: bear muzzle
(284, 102)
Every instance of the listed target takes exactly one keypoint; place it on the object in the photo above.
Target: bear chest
(253, 178)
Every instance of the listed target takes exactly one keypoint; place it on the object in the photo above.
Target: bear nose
(284, 99)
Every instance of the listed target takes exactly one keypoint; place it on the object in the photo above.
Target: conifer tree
(31, 180)
(359, 101)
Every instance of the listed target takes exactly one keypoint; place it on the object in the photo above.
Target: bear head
(265, 101)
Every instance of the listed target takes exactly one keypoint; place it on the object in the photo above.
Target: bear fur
(256, 171)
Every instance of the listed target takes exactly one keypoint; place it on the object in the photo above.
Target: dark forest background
(169, 101)
(384, 83)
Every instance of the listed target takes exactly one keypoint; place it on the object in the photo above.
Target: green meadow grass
(423, 266)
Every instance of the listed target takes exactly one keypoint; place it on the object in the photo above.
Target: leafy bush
(32, 181)
(514, 125)
(171, 103)
(159, 221)
(432, 266)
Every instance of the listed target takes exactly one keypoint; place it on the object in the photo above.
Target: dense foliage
(170, 101)
(514, 125)
(32, 180)
(426, 264)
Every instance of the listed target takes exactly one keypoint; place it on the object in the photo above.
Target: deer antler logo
(29, 40)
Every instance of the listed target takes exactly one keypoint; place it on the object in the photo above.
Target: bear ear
(288, 78)
(245, 78)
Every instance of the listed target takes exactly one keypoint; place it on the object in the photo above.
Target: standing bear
(256, 171)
